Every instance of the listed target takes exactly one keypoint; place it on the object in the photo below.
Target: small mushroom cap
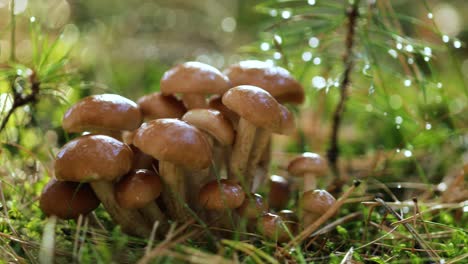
(276, 80)
(216, 102)
(317, 201)
(255, 105)
(272, 227)
(212, 122)
(67, 200)
(103, 112)
(290, 219)
(137, 189)
(194, 77)
(308, 163)
(157, 105)
(280, 191)
(174, 141)
(253, 207)
(93, 158)
(225, 195)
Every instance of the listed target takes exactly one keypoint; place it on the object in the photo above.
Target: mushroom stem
(241, 150)
(193, 101)
(174, 195)
(130, 220)
(260, 145)
(308, 218)
(152, 213)
(310, 181)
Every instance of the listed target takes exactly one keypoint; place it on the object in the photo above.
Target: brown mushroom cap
(194, 77)
(288, 126)
(276, 80)
(212, 122)
(272, 227)
(137, 189)
(308, 163)
(279, 192)
(216, 102)
(109, 112)
(317, 201)
(290, 219)
(254, 105)
(226, 194)
(174, 141)
(157, 105)
(253, 206)
(67, 200)
(92, 158)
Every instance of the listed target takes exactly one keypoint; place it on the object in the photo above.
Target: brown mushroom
(100, 160)
(251, 209)
(216, 102)
(67, 200)
(308, 166)
(176, 145)
(138, 190)
(280, 191)
(106, 114)
(290, 219)
(216, 197)
(314, 204)
(274, 228)
(257, 110)
(194, 80)
(157, 105)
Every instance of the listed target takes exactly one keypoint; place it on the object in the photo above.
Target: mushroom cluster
(199, 148)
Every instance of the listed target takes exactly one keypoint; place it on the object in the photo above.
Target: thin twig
(334, 150)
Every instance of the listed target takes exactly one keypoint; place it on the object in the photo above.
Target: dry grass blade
(329, 213)
(250, 250)
(430, 252)
(348, 257)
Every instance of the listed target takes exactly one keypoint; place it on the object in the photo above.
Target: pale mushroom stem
(241, 150)
(310, 182)
(193, 101)
(131, 221)
(260, 145)
(152, 213)
(174, 194)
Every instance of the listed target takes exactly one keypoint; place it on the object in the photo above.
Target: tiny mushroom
(67, 200)
(274, 228)
(100, 160)
(280, 190)
(314, 204)
(309, 166)
(194, 80)
(177, 145)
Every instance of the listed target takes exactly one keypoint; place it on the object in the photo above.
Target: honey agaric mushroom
(290, 219)
(157, 105)
(194, 80)
(217, 197)
(67, 200)
(280, 190)
(100, 160)
(309, 166)
(216, 102)
(138, 190)
(273, 227)
(314, 204)
(219, 132)
(251, 209)
(257, 110)
(177, 145)
(107, 114)
(274, 79)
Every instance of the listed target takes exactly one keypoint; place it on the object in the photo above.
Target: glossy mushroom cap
(226, 194)
(272, 226)
(137, 189)
(274, 79)
(157, 105)
(103, 112)
(253, 207)
(212, 122)
(254, 105)
(174, 141)
(216, 102)
(290, 219)
(317, 202)
(194, 77)
(67, 200)
(308, 163)
(280, 190)
(288, 126)
(93, 158)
